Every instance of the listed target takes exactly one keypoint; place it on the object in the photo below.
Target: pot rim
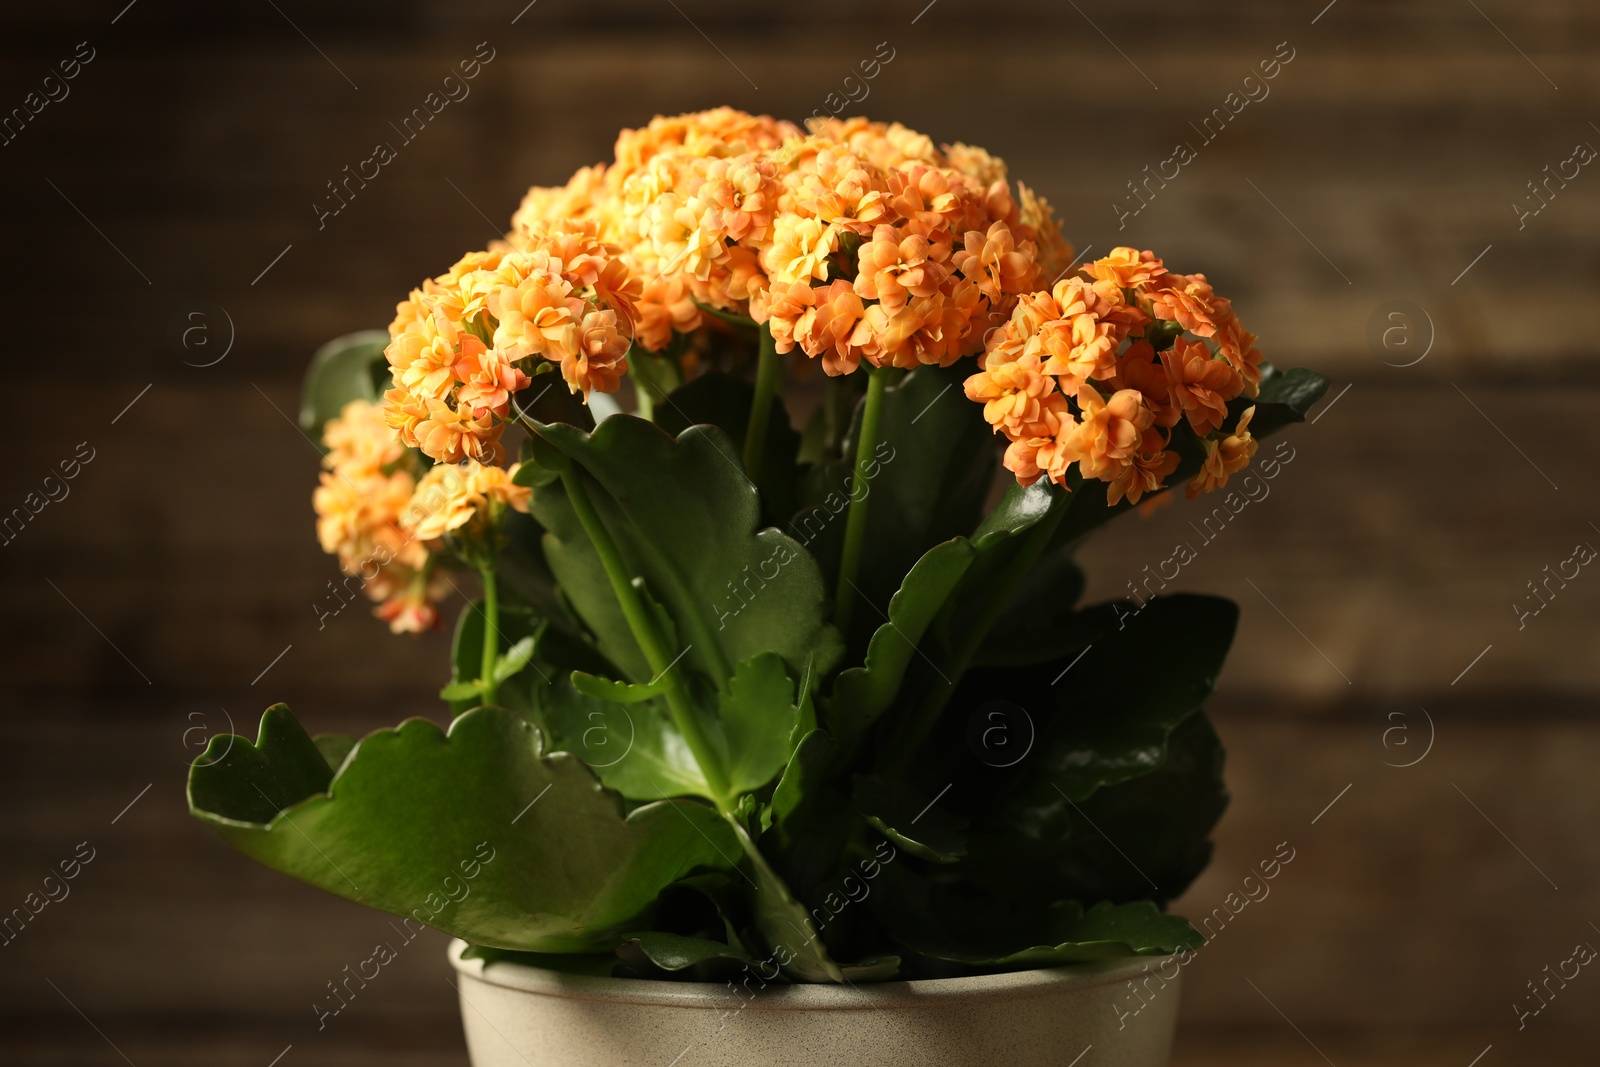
(872, 996)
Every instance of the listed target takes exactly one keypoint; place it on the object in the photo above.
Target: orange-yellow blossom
(1225, 457)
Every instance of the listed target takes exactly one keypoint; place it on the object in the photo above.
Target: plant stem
(855, 531)
(661, 661)
(769, 373)
(913, 733)
(491, 629)
(647, 406)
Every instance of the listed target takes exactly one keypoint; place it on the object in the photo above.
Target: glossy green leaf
(803, 780)
(723, 401)
(347, 368)
(1285, 398)
(1144, 837)
(909, 819)
(616, 692)
(475, 832)
(253, 782)
(675, 952)
(785, 925)
(861, 694)
(684, 517)
(756, 718)
(932, 467)
(334, 748)
(633, 748)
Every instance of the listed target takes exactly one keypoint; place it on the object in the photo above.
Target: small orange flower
(1110, 431)
(827, 328)
(488, 380)
(598, 358)
(1127, 268)
(411, 610)
(842, 191)
(451, 495)
(449, 436)
(1013, 395)
(1081, 344)
(1238, 346)
(1201, 385)
(1225, 457)
(1186, 299)
(1049, 448)
(994, 263)
(1145, 472)
(1139, 368)
(800, 249)
(737, 198)
(896, 265)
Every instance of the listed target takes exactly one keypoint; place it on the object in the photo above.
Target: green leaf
(934, 462)
(1102, 715)
(1145, 837)
(1285, 398)
(755, 723)
(334, 748)
(861, 694)
(803, 779)
(1038, 623)
(253, 782)
(720, 400)
(785, 925)
(684, 517)
(909, 819)
(615, 692)
(675, 952)
(513, 659)
(462, 692)
(633, 748)
(1111, 714)
(876, 969)
(1067, 934)
(347, 368)
(475, 832)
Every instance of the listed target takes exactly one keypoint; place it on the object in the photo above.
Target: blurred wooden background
(171, 592)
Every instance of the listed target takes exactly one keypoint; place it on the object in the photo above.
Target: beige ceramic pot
(1100, 1015)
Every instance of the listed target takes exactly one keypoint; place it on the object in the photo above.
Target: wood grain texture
(1377, 571)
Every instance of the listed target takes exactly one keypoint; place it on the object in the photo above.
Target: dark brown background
(188, 157)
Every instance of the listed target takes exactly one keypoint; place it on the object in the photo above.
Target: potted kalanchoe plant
(754, 727)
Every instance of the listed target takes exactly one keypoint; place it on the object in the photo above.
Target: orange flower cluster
(855, 240)
(1100, 370)
(467, 341)
(385, 524)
